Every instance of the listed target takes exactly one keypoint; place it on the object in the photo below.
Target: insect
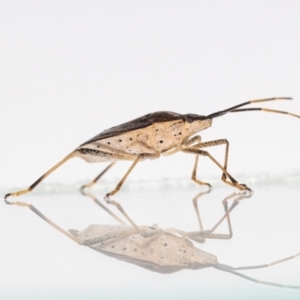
(163, 252)
(149, 137)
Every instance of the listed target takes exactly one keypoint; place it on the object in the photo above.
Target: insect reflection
(163, 252)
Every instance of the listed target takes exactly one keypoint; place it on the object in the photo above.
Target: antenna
(234, 108)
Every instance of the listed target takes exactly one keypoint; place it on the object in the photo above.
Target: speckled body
(153, 134)
(163, 252)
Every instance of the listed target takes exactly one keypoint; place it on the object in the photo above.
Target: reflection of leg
(97, 178)
(195, 203)
(30, 206)
(82, 189)
(37, 182)
(138, 229)
(118, 205)
(200, 236)
(236, 201)
(103, 207)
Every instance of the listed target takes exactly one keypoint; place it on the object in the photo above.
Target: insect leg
(139, 157)
(194, 175)
(189, 143)
(217, 143)
(37, 182)
(193, 140)
(198, 145)
(97, 178)
(82, 189)
(233, 182)
(118, 205)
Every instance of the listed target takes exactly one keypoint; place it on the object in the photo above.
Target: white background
(70, 69)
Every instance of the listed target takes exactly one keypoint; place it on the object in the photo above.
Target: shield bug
(149, 137)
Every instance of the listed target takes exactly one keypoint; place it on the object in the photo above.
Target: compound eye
(189, 119)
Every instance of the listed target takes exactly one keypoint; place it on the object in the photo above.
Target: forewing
(141, 122)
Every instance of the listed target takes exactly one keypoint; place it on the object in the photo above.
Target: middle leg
(117, 188)
(97, 178)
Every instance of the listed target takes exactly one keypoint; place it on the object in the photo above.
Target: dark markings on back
(141, 122)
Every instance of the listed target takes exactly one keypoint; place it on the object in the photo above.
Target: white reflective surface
(36, 260)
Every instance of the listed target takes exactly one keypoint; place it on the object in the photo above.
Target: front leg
(232, 182)
(88, 185)
(196, 150)
(195, 142)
